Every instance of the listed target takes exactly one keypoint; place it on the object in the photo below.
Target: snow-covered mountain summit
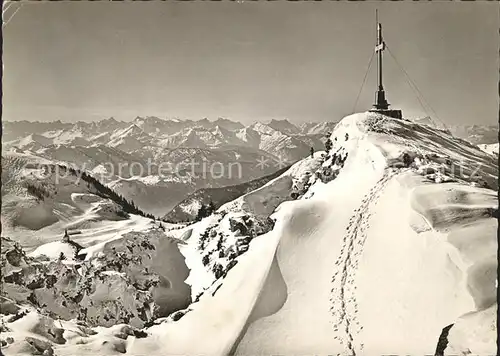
(393, 214)
(284, 126)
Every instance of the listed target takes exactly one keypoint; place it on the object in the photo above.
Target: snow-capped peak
(284, 126)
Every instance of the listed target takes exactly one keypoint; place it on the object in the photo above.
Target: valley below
(382, 239)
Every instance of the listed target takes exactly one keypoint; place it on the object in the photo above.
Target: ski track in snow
(344, 307)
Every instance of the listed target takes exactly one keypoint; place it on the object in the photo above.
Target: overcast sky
(304, 61)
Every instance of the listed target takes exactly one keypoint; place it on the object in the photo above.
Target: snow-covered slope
(188, 208)
(249, 136)
(133, 280)
(385, 244)
(130, 139)
(282, 145)
(31, 142)
(41, 199)
(158, 178)
(315, 128)
(490, 148)
(376, 257)
(371, 257)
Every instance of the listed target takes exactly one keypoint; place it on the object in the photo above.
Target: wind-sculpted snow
(383, 244)
(133, 280)
(474, 333)
(398, 281)
(30, 333)
(126, 282)
(433, 153)
(159, 255)
(217, 241)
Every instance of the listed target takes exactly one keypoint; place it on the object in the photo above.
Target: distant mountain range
(393, 214)
(475, 134)
(157, 162)
(278, 137)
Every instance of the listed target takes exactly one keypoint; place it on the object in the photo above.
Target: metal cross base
(397, 114)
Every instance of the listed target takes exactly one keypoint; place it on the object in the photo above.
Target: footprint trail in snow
(344, 307)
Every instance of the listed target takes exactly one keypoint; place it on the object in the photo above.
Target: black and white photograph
(212, 178)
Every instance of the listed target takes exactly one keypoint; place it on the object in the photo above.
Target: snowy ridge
(187, 209)
(363, 149)
(349, 327)
(394, 214)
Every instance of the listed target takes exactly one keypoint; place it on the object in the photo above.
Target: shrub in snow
(37, 191)
(238, 227)
(205, 260)
(330, 167)
(177, 315)
(328, 145)
(14, 254)
(301, 185)
(248, 221)
(220, 241)
(231, 264)
(205, 210)
(231, 255)
(407, 160)
(17, 316)
(218, 270)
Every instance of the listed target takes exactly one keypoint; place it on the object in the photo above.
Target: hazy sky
(304, 61)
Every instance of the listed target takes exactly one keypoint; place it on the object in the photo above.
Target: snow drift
(384, 244)
(391, 240)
